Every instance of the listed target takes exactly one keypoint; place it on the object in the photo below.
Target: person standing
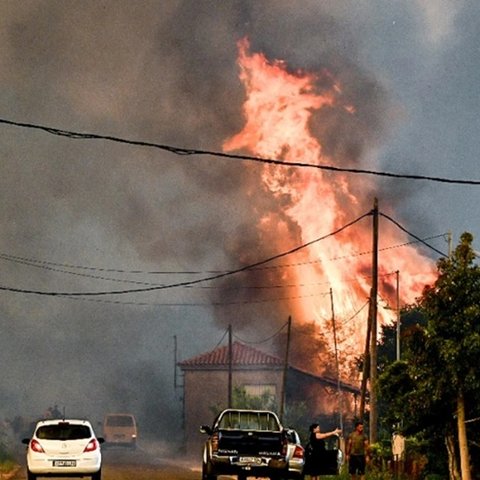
(56, 413)
(356, 452)
(316, 450)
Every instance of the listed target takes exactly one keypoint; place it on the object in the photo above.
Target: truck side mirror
(206, 429)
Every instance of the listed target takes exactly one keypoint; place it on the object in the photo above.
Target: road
(141, 464)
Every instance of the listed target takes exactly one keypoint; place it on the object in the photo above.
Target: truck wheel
(207, 472)
(31, 476)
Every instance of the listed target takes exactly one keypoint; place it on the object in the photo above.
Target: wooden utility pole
(285, 370)
(366, 362)
(397, 273)
(230, 360)
(337, 365)
(175, 362)
(373, 340)
(449, 240)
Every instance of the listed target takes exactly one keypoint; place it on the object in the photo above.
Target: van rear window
(119, 421)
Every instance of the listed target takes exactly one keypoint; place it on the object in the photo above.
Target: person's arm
(348, 448)
(367, 449)
(367, 446)
(321, 435)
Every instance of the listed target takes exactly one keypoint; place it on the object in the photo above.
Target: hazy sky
(166, 72)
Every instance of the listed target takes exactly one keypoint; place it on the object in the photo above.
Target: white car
(64, 448)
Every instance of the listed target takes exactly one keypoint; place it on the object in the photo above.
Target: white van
(120, 429)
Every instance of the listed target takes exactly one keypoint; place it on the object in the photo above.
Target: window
(120, 421)
(246, 420)
(64, 432)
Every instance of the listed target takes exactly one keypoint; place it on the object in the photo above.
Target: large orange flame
(278, 110)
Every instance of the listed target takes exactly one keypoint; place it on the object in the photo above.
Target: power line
(221, 340)
(191, 282)
(218, 304)
(265, 340)
(52, 266)
(190, 304)
(47, 266)
(42, 263)
(412, 235)
(356, 313)
(186, 151)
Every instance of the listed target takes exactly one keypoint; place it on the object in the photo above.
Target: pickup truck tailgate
(250, 443)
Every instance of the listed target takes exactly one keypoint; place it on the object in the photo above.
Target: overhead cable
(265, 340)
(191, 282)
(412, 235)
(52, 266)
(221, 340)
(190, 304)
(191, 151)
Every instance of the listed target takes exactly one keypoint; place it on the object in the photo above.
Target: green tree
(452, 307)
(411, 318)
(241, 399)
(407, 399)
(437, 382)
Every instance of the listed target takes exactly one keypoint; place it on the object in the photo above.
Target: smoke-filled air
(121, 258)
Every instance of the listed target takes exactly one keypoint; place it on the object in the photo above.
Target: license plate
(64, 463)
(246, 459)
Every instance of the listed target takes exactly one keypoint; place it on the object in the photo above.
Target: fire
(278, 111)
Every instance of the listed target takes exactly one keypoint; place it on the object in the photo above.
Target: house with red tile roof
(207, 378)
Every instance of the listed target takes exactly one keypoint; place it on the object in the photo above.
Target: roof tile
(241, 355)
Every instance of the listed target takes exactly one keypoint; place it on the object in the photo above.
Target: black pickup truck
(245, 443)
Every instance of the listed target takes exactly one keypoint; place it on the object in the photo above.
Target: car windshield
(120, 421)
(63, 431)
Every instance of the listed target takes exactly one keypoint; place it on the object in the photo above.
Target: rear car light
(35, 446)
(284, 447)
(299, 452)
(92, 445)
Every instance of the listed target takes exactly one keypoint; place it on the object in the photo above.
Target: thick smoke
(161, 72)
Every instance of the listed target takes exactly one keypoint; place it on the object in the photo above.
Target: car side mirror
(26, 441)
(100, 440)
(206, 429)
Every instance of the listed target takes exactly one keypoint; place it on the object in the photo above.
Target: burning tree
(309, 117)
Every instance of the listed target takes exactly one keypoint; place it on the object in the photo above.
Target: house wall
(322, 401)
(206, 393)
